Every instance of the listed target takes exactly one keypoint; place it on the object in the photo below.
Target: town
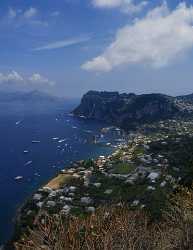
(141, 173)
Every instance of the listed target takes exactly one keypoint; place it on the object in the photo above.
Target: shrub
(117, 227)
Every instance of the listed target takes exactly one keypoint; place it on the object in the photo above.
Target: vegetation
(123, 168)
(117, 227)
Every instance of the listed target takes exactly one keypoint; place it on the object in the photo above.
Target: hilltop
(129, 110)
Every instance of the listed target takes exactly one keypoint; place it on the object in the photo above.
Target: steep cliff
(127, 110)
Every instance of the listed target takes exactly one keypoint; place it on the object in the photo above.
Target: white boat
(25, 151)
(18, 122)
(36, 174)
(35, 141)
(62, 140)
(28, 163)
(87, 131)
(19, 177)
(55, 138)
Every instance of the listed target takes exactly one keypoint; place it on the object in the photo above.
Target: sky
(67, 47)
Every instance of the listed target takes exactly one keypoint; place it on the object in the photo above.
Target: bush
(117, 227)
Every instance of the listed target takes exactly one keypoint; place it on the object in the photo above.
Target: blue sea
(62, 139)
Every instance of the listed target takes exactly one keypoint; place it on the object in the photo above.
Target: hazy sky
(67, 47)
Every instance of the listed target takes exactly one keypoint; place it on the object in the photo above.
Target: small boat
(19, 177)
(62, 140)
(18, 122)
(35, 141)
(88, 131)
(36, 174)
(55, 138)
(25, 151)
(28, 163)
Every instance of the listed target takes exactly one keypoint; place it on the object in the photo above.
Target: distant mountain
(27, 96)
(33, 102)
(129, 110)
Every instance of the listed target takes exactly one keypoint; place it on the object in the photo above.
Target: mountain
(33, 102)
(186, 98)
(129, 110)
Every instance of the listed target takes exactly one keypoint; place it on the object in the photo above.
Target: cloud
(14, 77)
(19, 13)
(64, 43)
(127, 6)
(31, 12)
(156, 40)
(38, 79)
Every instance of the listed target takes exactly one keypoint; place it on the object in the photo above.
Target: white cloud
(157, 40)
(19, 13)
(31, 12)
(127, 6)
(14, 77)
(38, 79)
(64, 43)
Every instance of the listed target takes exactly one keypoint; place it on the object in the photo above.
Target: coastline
(141, 174)
(16, 220)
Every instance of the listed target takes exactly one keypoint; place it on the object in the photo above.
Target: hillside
(129, 110)
(140, 197)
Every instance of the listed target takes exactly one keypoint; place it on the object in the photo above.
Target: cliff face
(103, 106)
(126, 110)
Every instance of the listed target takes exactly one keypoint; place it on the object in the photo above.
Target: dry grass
(59, 181)
(117, 228)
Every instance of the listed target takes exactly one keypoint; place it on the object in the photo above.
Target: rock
(125, 110)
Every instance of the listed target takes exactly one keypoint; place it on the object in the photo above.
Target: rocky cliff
(129, 110)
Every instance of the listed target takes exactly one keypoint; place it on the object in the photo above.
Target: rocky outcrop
(128, 110)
